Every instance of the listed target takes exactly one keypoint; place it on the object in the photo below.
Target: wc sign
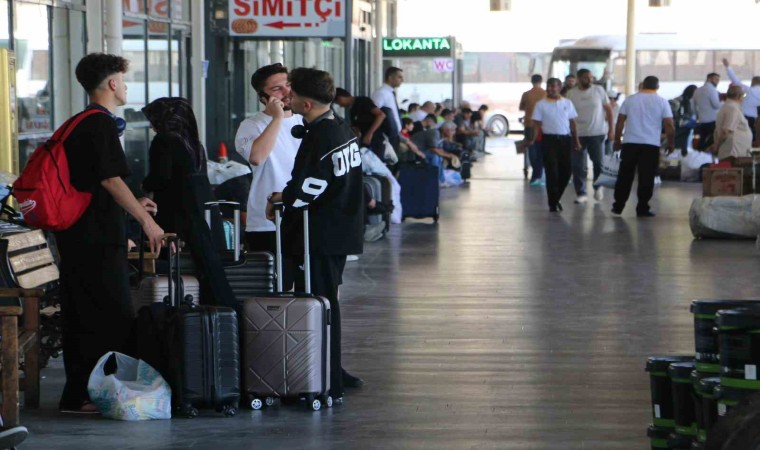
(287, 18)
(443, 65)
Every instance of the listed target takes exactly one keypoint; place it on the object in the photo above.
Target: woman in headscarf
(178, 180)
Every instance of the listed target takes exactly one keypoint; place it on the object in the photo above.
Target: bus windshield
(566, 61)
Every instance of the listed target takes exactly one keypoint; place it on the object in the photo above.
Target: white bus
(496, 79)
(677, 60)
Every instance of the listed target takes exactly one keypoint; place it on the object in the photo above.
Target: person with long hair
(684, 117)
(179, 182)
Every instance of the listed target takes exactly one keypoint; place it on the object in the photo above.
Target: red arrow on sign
(280, 25)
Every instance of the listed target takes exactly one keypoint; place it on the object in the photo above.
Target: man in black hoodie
(326, 179)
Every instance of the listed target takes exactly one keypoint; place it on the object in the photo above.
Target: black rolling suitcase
(196, 349)
(249, 273)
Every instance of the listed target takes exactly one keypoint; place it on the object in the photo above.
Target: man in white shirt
(265, 141)
(707, 104)
(594, 125)
(733, 135)
(555, 117)
(751, 102)
(385, 97)
(643, 115)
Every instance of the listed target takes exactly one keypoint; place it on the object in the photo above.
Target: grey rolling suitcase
(286, 341)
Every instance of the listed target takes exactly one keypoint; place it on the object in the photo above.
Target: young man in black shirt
(326, 179)
(95, 302)
(367, 117)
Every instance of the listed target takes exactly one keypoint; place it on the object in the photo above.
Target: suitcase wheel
(229, 411)
(313, 402)
(327, 400)
(256, 404)
(269, 401)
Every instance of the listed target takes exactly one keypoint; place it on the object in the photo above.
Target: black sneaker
(645, 214)
(617, 212)
(559, 206)
(351, 381)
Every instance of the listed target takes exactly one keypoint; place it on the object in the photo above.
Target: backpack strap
(62, 133)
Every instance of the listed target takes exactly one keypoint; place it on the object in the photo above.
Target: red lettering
(242, 8)
(160, 7)
(322, 12)
(303, 8)
(337, 9)
(272, 8)
(290, 9)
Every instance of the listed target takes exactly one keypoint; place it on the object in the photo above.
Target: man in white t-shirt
(643, 115)
(555, 117)
(594, 125)
(265, 141)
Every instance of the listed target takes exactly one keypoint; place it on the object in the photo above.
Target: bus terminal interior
(497, 326)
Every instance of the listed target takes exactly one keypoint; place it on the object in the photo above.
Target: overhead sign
(411, 47)
(287, 18)
(443, 65)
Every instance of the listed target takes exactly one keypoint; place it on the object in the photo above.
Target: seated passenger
(466, 132)
(428, 140)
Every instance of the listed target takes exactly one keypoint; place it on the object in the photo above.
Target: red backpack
(46, 197)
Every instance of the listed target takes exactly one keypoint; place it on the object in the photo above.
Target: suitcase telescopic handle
(236, 223)
(278, 208)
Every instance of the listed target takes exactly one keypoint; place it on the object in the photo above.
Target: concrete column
(630, 50)
(275, 52)
(94, 26)
(113, 33)
(197, 57)
(376, 76)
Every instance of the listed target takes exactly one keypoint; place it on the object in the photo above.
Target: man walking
(555, 117)
(528, 104)
(95, 302)
(707, 104)
(385, 99)
(595, 123)
(751, 102)
(643, 115)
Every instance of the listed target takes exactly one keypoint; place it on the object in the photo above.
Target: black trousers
(266, 241)
(97, 311)
(208, 261)
(705, 132)
(751, 121)
(645, 159)
(326, 278)
(556, 150)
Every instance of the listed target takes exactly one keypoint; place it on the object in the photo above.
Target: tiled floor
(501, 327)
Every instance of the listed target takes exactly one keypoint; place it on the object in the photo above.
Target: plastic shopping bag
(218, 173)
(610, 167)
(136, 391)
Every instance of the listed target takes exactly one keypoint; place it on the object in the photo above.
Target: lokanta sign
(287, 18)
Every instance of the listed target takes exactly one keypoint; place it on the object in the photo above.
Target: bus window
(657, 62)
(694, 65)
(569, 60)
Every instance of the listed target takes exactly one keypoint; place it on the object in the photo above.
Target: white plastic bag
(390, 154)
(135, 392)
(218, 173)
(692, 163)
(610, 168)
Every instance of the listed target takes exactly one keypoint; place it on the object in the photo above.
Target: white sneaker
(352, 258)
(657, 180)
(581, 199)
(599, 194)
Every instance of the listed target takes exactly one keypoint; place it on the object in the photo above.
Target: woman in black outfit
(179, 183)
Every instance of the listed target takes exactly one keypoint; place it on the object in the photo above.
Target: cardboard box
(722, 182)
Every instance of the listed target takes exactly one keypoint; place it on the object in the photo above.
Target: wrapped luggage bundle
(725, 217)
